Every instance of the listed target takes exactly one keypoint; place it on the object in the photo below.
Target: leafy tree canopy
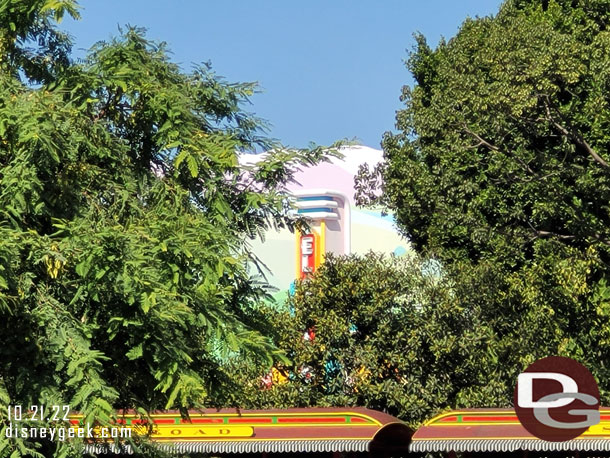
(398, 335)
(500, 170)
(358, 333)
(124, 221)
(502, 146)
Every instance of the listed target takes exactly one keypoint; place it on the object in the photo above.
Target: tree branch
(483, 142)
(554, 234)
(538, 233)
(574, 136)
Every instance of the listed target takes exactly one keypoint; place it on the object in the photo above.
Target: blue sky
(329, 69)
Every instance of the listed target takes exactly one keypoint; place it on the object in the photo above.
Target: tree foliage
(500, 170)
(502, 144)
(399, 335)
(124, 221)
(402, 336)
(358, 333)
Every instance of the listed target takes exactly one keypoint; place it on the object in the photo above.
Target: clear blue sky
(329, 69)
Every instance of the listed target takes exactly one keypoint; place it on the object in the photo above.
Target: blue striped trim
(310, 198)
(315, 210)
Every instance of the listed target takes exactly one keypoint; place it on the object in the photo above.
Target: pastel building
(325, 194)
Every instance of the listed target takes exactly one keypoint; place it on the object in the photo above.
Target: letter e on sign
(307, 254)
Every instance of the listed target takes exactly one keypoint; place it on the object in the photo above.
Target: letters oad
(557, 399)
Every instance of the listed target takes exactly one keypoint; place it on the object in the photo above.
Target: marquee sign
(328, 213)
(309, 254)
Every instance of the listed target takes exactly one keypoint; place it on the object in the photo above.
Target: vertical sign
(307, 255)
(328, 213)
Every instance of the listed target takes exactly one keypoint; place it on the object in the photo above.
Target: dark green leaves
(124, 213)
(500, 170)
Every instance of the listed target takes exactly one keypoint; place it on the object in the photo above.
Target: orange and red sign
(308, 254)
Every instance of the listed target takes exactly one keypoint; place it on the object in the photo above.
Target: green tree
(500, 147)
(124, 222)
(500, 170)
(399, 335)
(390, 334)
(358, 333)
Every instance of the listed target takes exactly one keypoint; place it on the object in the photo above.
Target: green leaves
(382, 332)
(500, 171)
(136, 352)
(30, 43)
(59, 7)
(500, 132)
(124, 212)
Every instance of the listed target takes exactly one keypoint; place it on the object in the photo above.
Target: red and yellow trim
(247, 426)
(489, 424)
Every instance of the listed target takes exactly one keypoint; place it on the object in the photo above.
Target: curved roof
(258, 431)
(499, 430)
(338, 172)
